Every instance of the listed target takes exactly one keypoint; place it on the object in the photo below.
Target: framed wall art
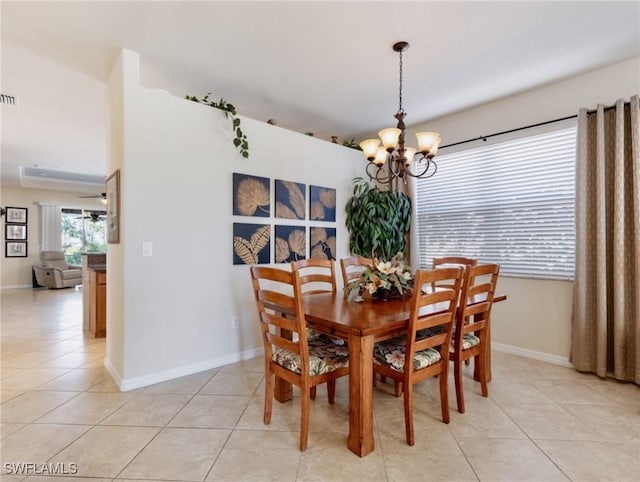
(322, 243)
(17, 215)
(290, 244)
(322, 203)
(113, 207)
(251, 243)
(290, 200)
(251, 195)
(15, 232)
(15, 249)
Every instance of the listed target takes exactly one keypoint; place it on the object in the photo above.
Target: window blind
(511, 203)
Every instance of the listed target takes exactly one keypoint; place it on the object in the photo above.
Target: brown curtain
(606, 308)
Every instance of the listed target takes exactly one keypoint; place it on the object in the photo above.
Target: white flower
(386, 268)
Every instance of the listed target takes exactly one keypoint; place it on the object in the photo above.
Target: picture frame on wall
(15, 232)
(17, 215)
(15, 249)
(113, 207)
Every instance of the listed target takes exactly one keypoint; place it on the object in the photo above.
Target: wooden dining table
(361, 324)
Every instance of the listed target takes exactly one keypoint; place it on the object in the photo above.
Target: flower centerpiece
(383, 280)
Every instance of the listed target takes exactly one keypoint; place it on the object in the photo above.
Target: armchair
(54, 272)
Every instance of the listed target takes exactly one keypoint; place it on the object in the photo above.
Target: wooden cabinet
(98, 302)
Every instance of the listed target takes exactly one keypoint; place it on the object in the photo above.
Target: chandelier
(400, 161)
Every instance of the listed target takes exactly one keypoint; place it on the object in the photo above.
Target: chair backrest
(53, 259)
(476, 298)
(454, 260)
(316, 275)
(352, 267)
(280, 312)
(449, 262)
(424, 303)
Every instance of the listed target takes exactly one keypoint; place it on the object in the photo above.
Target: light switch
(147, 248)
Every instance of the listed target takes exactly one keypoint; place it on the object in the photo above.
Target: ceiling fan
(102, 196)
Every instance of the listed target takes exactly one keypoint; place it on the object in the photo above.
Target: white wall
(172, 312)
(537, 314)
(16, 272)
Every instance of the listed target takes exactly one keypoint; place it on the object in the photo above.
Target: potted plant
(378, 221)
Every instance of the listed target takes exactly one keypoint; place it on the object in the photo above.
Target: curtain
(50, 228)
(606, 309)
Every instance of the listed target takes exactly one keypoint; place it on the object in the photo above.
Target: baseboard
(536, 355)
(15, 287)
(113, 372)
(146, 380)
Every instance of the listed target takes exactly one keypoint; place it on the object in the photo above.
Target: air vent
(8, 100)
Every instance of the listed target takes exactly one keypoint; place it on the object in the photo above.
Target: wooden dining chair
(472, 325)
(352, 267)
(316, 275)
(296, 359)
(424, 351)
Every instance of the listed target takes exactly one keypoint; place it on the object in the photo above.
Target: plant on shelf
(383, 280)
(378, 221)
(240, 141)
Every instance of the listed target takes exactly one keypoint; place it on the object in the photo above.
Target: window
(510, 203)
(82, 231)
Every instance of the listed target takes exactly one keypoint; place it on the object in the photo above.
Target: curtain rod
(484, 138)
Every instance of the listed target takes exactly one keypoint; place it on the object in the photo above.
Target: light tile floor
(540, 423)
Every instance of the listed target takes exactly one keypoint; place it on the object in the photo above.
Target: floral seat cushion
(469, 340)
(391, 353)
(313, 334)
(324, 357)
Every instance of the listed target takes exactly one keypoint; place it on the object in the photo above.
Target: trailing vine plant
(240, 141)
(378, 221)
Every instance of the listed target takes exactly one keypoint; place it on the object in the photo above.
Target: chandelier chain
(400, 92)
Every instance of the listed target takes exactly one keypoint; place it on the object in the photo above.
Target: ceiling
(324, 67)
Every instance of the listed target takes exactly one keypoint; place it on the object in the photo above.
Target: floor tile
(594, 461)
(189, 385)
(614, 423)
(104, 451)
(549, 421)
(29, 406)
(78, 380)
(211, 411)
(244, 457)
(482, 418)
(87, 408)
(437, 455)
(570, 391)
(30, 378)
(254, 365)
(178, 454)
(6, 395)
(9, 428)
(37, 443)
(509, 460)
(328, 458)
(232, 383)
(148, 409)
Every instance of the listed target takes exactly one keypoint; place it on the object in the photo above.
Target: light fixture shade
(409, 153)
(427, 141)
(381, 157)
(369, 148)
(389, 137)
(434, 150)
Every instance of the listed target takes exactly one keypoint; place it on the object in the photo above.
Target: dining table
(361, 324)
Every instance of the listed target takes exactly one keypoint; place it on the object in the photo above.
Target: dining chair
(424, 351)
(296, 359)
(352, 267)
(316, 275)
(472, 325)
